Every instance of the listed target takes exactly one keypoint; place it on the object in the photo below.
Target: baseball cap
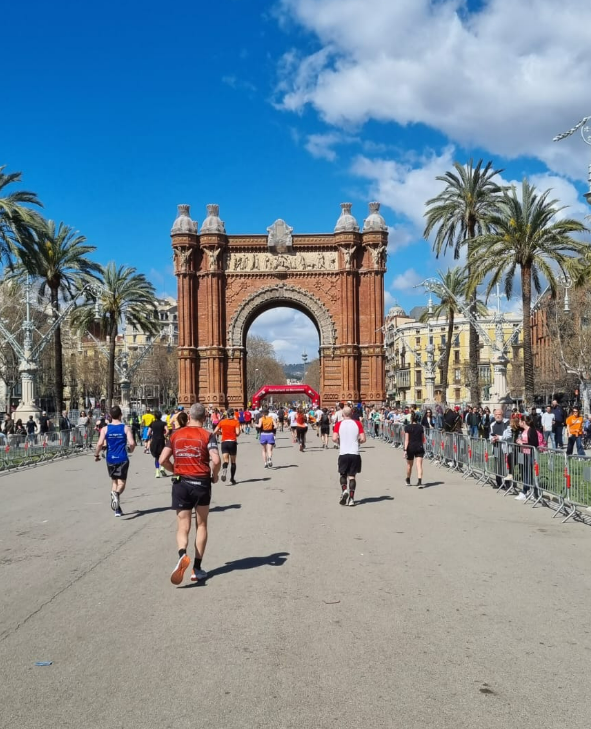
(457, 408)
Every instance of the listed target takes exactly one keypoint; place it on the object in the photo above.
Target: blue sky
(117, 112)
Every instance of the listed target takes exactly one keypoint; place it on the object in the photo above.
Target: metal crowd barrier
(21, 451)
(546, 477)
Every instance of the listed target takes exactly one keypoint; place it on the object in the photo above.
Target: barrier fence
(546, 477)
(21, 451)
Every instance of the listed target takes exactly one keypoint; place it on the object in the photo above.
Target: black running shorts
(230, 447)
(187, 493)
(118, 471)
(416, 453)
(349, 464)
(324, 429)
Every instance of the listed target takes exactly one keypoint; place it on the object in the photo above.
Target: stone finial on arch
(281, 294)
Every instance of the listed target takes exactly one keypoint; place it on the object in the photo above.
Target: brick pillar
(185, 244)
(212, 306)
(348, 345)
(373, 360)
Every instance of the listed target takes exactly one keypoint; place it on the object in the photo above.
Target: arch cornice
(277, 295)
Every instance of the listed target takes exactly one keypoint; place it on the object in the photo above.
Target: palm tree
(125, 294)
(525, 236)
(16, 220)
(451, 292)
(460, 213)
(58, 259)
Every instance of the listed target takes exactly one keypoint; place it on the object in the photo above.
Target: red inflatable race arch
(267, 390)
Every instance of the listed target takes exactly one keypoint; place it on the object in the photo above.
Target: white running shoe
(270, 463)
(224, 474)
(344, 498)
(197, 575)
(521, 497)
(351, 501)
(114, 500)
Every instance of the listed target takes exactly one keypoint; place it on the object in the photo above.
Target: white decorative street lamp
(585, 128)
(29, 353)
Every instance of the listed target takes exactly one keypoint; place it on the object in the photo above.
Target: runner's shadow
(225, 508)
(145, 512)
(433, 483)
(248, 563)
(291, 465)
(255, 480)
(373, 500)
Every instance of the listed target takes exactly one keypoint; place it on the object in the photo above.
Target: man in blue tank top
(118, 438)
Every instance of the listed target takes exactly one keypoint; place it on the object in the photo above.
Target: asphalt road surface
(448, 607)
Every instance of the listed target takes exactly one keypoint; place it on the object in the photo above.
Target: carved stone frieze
(235, 262)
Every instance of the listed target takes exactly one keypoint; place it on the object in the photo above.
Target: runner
(196, 467)
(241, 419)
(147, 420)
(118, 439)
(157, 437)
(281, 417)
(266, 427)
(348, 434)
(301, 428)
(292, 417)
(414, 448)
(229, 428)
(324, 426)
(247, 421)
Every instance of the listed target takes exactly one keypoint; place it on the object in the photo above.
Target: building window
(418, 341)
(458, 374)
(443, 340)
(418, 377)
(457, 394)
(456, 356)
(419, 395)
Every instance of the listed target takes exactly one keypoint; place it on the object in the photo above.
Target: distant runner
(266, 427)
(119, 440)
(229, 429)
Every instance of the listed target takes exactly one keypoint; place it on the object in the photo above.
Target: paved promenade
(449, 607)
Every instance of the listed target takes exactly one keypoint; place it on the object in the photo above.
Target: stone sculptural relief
(301, 261)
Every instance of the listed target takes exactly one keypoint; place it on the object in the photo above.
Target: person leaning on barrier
(500, 435)
(65, 427)
(452, 421)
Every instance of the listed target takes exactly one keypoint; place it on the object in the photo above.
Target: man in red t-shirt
(196, 467)
(229, 429)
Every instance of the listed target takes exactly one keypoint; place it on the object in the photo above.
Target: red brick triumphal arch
(226, 281)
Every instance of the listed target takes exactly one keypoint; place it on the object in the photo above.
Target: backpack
(325, 420)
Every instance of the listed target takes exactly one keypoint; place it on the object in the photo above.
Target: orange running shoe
(177, 574)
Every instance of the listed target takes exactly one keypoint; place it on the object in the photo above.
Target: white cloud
(404, 187)
(322, 145)
(407, 281)
(506, 77)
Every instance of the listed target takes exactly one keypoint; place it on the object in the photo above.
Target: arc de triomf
(226, 281)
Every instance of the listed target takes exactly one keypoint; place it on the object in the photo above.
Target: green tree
(455, 281)
(525, 236)
(460, 213)
(57, 258)
(16, 219)
(262, 366)
(125, 294)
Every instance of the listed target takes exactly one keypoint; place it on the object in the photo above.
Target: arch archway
(225, 282)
